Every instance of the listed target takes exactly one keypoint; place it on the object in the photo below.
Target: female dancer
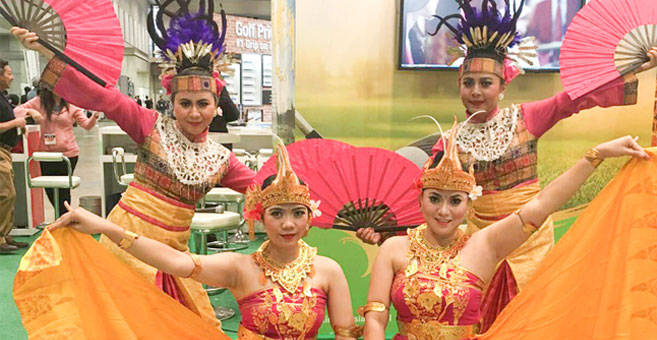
(176, 164)
(501, 144)
(435, 275)
(57, 135)
(282, 289)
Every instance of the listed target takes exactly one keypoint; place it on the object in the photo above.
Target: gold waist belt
(419, 330)
(244, 333)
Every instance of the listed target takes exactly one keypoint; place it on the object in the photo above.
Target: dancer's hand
(652, 62)
(81, 220)
(368, 235)
(29, 41)
(624, 146)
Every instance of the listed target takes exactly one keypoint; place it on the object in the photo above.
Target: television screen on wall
(545, 20)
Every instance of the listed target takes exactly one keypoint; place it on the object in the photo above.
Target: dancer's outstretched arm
(217, 270)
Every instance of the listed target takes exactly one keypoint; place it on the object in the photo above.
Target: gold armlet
(128, 239)
(353, 331)
(592, 155)
(197, 266)
(528, 228)
(371, 306)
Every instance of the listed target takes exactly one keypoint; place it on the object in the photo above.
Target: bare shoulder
(395, 244)
(326, 264)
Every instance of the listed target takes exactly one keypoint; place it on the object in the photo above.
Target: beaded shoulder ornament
(192, 163)
(489, 140)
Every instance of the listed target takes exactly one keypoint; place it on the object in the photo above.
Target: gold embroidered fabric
(433, 286)
(433, 330)
(289, 276)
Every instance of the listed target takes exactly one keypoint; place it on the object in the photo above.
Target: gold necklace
(425, 257)
(291, 275)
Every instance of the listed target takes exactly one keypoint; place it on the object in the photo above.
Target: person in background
(27, 90)
(148, 102)
(8, 139)
(229, 113)
(162, 105)
(138, 100)
(57, 135)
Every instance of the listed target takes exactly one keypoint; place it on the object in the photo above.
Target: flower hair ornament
(285, 188)
(449, 174)
(190, 45)
(488, 39)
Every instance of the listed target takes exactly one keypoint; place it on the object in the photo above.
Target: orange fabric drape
(68, 286)
(600, 281)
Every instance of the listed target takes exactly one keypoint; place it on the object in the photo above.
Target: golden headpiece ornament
(449, 174)
(285, 188)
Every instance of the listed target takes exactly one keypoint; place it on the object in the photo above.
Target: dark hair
(48, 101)
(3, 63)
(13, 99)
(27, 89)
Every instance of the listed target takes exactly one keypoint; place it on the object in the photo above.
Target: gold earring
(501, 96)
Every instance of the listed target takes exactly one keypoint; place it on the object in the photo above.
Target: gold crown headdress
(449, 174)
(192, 41)
(285, 188)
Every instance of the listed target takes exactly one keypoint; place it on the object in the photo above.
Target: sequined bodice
(278, 314)
(512, 157)
(446, 294)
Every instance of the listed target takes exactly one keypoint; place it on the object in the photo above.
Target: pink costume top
(513, 162)
(277, 314)
(59, 125)
(163, 162)
(435, 298)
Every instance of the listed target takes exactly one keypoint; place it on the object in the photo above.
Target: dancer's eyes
(456, 201)
(434, 199)
(300, 212)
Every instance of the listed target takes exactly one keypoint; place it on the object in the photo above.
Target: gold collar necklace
(425, 257)
(290, 275)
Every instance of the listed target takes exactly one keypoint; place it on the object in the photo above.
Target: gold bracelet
(128, 239)
(593, 155)
(371, 306)
(528, 228)
(353, 331)
(197, 266)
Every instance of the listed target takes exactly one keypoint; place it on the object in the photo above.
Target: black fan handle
(57, 52)
(378, 230)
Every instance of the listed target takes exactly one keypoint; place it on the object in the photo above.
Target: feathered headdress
(191, 41)
(285, 188)
(487, 35)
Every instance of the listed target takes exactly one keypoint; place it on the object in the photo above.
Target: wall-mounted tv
(546, 20)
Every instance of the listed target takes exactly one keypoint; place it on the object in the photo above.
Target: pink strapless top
(451, 300)
(277, 314)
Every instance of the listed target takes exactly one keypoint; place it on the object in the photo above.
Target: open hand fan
(305, 154)
(86, 31)
(606, 39)
(366, 187)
